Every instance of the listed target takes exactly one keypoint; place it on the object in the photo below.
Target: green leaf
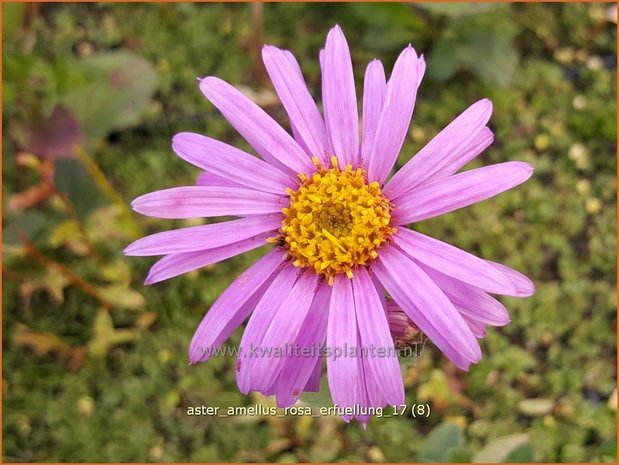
(520, 454)
(389, 25)
(119, 88)
(458, 455)
(442, 441)
(37, 92)
(387, 14)
(29, 224)
(490, 54)
(74, 181)
(443, 62)
(608, 451)
(499, 449)
(12, 20)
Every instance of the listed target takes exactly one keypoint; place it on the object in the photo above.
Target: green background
(96, 370)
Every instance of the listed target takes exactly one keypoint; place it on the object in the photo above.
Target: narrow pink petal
(329, 145)
(374, 391)
(460, 190)
(453, 261)
(374, 332)
(444, 152)
(470, 301)
(207, 201)
(299, 139)
(524, 286)
(469, 152)
(297, 370)
(211, 179)
(177, 264)
(209, 236)
(427, 306)
(261, 131)
(343, 373)
(296, 99)
(366, 388)
(295, 132)
(233, 306)
(284, 329)
(251, 346)
(396, 115)
(374, 91)
(230, 163)
(380, 291)
(293, 63)
(340, 99)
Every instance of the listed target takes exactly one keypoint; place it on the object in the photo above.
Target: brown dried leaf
(53, 137)
(39, 343)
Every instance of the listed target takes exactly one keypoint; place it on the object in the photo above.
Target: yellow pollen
(336, 220)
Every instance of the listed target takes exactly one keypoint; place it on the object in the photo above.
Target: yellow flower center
(336, 221)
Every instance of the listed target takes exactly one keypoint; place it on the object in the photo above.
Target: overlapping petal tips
(261, 131)
(477, 327)
(395, 117)
(313, 383)
(302, 372)
(446, 153)
(339, 98)
(374, 92)
(427, 306)
(251, 347)
(233, 306)
(284, 330)
(382, 364)
(296, 99)
(179, 263)
(344, 374)
(205, 237)
(524, 286)
(421, 69)
(207, 201)
(470, 301)
(453, 262)
(230, 163)
(470, 151)
(458, 191)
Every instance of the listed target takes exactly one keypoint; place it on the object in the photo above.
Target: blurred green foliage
(94, 365)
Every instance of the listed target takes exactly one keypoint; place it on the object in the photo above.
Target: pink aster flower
(342, 255)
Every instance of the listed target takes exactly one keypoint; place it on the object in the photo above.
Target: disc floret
(336, 220)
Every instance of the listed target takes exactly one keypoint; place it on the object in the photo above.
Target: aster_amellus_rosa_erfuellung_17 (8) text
(344, 268)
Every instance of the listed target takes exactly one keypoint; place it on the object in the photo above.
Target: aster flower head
(344, 269)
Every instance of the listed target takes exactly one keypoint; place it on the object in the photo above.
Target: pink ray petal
(396, 115)
(444, 152)
(460, 190)
(427, 306)
(340, 99)
(207, 201)
(261, 131)
(233, 306)
(230, 163)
